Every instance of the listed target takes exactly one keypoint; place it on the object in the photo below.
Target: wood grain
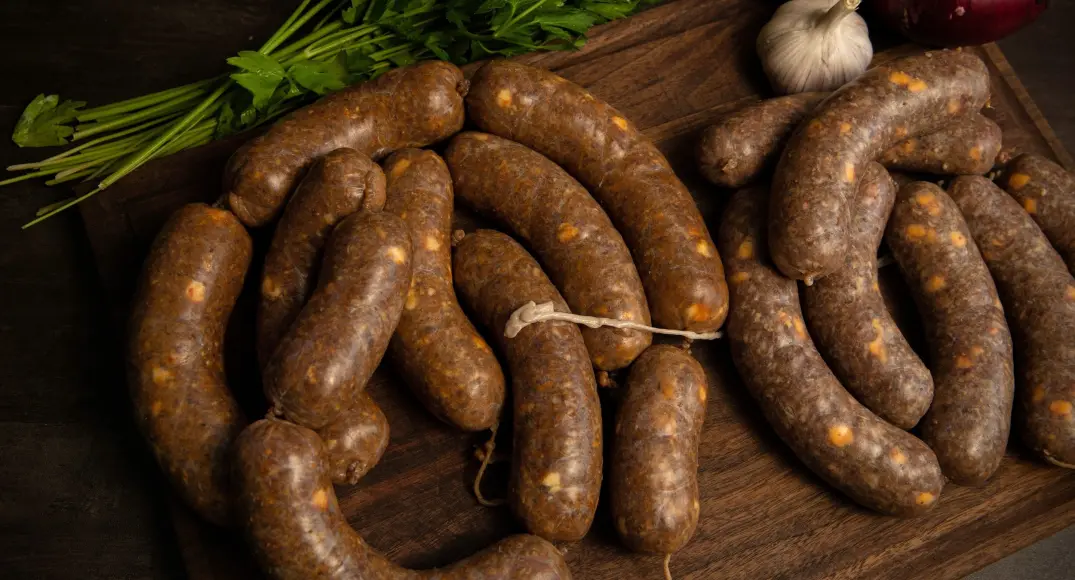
(764, 515)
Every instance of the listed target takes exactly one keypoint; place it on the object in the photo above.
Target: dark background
(79, 495)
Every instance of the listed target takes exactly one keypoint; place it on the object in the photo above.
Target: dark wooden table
(79, 496)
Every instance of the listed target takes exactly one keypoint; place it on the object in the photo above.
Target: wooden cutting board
(671, 70)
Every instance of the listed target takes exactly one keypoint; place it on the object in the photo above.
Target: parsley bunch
(320, 48)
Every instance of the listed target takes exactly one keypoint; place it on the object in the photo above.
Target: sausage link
(1047, 193)
(337, 185)
(408, 107)
(1038, 294)
(436, 349)
(556, 462)
(332, 349)
(355, 441)
(680, 269)
(970, 346)
(654, 480)
(876, 464)
(816, 178)
(966, 146)
(738, 148)
(854, 330)
(559, 220)
(297, 531)
(175, 354)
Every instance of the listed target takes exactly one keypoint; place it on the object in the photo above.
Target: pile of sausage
(363, 262)
(990, 272)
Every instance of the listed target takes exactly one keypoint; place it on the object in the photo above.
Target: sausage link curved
(1047, 192)
(970, 346)
(853, 329)
(337, 185)
(967, 146)
(565, 227)
(333, 347)
(654, 478)
(175, 353)
(680, 269)
(876, 464)
(1038, 294)
(740, 146)
(818, 172)
(298, 532)
(556, 460)
(439, 353)
(411, 106)
(355, 441)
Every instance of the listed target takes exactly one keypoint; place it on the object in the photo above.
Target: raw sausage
(338, 339)
(567, 230)
(848, 319)
(970, 346)
(740, 146)
(816, 178)
(337, 185)
(876, 464)
(654, 479)
(1047, 193)
(738, 149)
(355, 441)
(297, 531)
(966, 146)
(407, 107)
(1038, 294)
(175, 360)
(680, 269)
(556, 460)
(441, 356)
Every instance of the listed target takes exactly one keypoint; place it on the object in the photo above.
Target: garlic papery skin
(814, 45)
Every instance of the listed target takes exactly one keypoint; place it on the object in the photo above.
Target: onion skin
(951, 23)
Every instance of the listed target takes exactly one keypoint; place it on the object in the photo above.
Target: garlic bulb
(814, 45)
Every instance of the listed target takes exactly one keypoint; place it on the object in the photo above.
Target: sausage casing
(337, 185)
(556, 460)
(876, 464)
(741, 145)
(175, 361)
(966, 146)
(853, 329)
(338, 339)
(1038, 294)
(971, 349)
(624, 171)
(441, 356)
(567, 230)
(297, 531)
(818, 172)
(1047, 193)
(654, 477)
(411, 106)
(355, 440)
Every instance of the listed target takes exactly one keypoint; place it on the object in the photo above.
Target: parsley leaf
(42, 122)
(261, 78)
(320, 77)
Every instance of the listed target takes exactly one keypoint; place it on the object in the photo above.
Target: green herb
(42, 122)
(322, 47)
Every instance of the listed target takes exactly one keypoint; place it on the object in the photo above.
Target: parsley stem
(142, 102)
(289, 30)
(179, 104)
(298, 45)
(507, 25)
(283, 27)
(92, 143)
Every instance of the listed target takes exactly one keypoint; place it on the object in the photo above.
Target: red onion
(957, 22)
